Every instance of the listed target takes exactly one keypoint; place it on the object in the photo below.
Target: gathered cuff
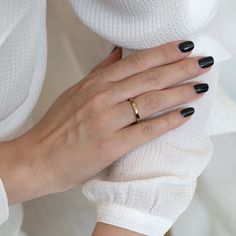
(132, 219)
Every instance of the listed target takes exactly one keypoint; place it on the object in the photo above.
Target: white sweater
(152, 185)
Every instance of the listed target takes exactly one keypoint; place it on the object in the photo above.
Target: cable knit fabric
(148, 189)
(152, 185)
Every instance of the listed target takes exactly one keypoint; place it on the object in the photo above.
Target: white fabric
(138, 24)
(159, 177)
(13, 225)
(22, 68)
(4, 211)
(22, 60)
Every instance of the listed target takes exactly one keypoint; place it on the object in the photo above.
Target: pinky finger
(138, 134)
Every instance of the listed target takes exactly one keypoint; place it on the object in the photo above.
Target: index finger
(145, 59)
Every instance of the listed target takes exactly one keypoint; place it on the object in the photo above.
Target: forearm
(102, 229)
(19, 172)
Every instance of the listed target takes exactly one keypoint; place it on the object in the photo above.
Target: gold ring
(135, 108)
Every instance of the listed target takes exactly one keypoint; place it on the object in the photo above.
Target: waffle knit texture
(152, 185)
(4, 210)
(23, 53)
(148, 188)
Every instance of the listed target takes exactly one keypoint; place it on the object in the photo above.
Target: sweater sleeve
(151, 186)
(4, 209)
(23, 53)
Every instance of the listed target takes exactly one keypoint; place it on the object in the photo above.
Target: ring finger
(157, 101)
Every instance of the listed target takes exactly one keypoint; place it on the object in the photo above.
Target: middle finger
(160, 78)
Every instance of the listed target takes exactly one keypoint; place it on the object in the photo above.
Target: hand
(91, 124)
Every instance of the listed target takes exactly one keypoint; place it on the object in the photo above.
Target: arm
(148, 189)
(34, 164)
(102, 229)
(18, 178)
(21, 176)
(158, 178)
(105, 229)
(22, 46)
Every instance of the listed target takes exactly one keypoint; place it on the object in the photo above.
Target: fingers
(160, 78)
(157, 101)
(146, 59)
(138, 134)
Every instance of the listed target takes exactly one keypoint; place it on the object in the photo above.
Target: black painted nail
(187, 112)
(113, 49)
(206, 62)
(201, 88)
(186, 46)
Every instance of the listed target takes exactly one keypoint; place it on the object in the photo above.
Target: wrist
(20, 172)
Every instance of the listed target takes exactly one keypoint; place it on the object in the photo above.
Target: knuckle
(146, 129)
(97, 100)
(154, 78)
(168, 122)
(149, 99)
(164, 54)
(96, 76)
(90, 128)
(93, 104)
(183, 93)
(187, 68)
(138, 60)
(152, 101)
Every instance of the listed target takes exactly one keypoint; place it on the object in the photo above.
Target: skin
(102, 229)
(74, 139)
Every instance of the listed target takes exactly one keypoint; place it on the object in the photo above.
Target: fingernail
(206, 62)
(187, 112)
(201, 88)
(114, 49)
(186, 46)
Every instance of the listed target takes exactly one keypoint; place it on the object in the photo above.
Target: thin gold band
(135, 108)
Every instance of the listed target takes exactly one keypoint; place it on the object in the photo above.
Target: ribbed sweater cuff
(132, 219)
(4, 208)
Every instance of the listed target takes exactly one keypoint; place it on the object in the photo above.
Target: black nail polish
(113, 49)
(187, 112)
(186, 46)
(201, 88)
(206, 62)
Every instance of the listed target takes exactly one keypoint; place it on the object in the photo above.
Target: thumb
(115, 55)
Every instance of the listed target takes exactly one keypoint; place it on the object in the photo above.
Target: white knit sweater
(152, 185)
